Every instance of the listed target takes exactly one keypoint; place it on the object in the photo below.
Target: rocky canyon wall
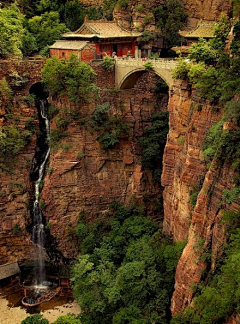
(15, 184)
(85, 177)
(184, 172)
(139, 13)
(81, 175)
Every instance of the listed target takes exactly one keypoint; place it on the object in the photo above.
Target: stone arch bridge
(128, 71)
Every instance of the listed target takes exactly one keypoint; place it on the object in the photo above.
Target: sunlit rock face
(190, 117)
(206, 9)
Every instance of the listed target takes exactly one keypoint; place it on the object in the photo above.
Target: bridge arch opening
(38, 90)
(132, 77)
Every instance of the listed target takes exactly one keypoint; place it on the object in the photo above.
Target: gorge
(128, 186)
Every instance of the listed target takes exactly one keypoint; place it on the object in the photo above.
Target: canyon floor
(14, 315)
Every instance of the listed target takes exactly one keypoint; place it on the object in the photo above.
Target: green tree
(236, 8)
(69, 77)
(46, 28)
(153, 143)
(196, 71)
(35, 319)
(108, 6)
(67, 319)
(170, 18)
(11, 142)
(202, 51)
(182, 69)
(128, 277)
(72, 14)
(29, 7)
(11, 31)
(235, 45)
(108, 63)
(5, 91)
(29, 45)
(221, 32)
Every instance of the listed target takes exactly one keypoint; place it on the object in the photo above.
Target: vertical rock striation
(86, 178)
(184, 170)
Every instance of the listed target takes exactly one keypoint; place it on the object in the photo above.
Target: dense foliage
(67, 319)
(170, 19)
(216, 75)
(11, 31)
(46, 29)
(69, 77)
(35, 319)
(220, 298)
(153, 142)
(126, 273)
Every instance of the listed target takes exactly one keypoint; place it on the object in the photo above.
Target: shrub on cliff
(11, 142)
(5, 91)
(108, 63)
(69, 77)
(181, 70)
(202, 51)
(153, 142)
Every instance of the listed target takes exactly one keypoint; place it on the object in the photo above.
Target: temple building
(204, 29)
(9, 273)
(96, 39)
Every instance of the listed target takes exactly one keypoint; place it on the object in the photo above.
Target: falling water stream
(38, 232)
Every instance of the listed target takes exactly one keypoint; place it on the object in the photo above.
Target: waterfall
(38, 232)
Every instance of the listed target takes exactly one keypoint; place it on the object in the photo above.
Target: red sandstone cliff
(183, 168)
(139, 13)
(15, 185)
(100, 176)
(76, 182)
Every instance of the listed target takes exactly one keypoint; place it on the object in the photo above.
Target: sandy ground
(14, 315)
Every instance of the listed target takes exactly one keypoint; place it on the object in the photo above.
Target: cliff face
(86, 178)
(205, 9)
(139, 13)
(184, 172)
(15, 184)
(81, 175)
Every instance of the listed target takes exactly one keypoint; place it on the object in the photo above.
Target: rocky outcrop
(205, 9)
(139, 14)
(85, 178)
(183, 172)
(92, 3)
(81, 176)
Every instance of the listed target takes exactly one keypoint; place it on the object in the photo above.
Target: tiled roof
(182, 49)
(8, 270)
(67, 44)
(101, 29)
(203, 30)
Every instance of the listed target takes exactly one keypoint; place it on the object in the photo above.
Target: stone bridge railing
(161, 63)
(126, 67)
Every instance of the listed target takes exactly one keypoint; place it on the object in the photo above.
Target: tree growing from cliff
(69, 77)
(170, 18)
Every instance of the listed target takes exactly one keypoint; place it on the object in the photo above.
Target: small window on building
(63, 54)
